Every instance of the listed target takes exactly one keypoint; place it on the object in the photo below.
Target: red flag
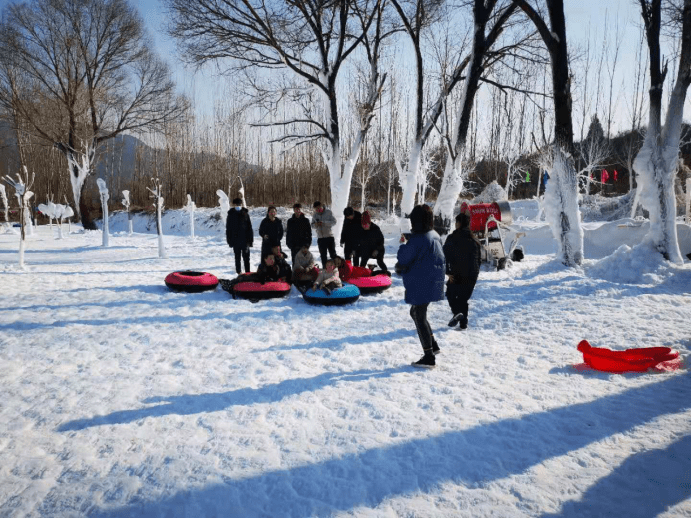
(604, 176)
(615, 175)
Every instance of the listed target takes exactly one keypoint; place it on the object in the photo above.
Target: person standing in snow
(371, 243)
(350, 234)
(323, 220)
(271, 230)
(239, 234)
(298, 231)
(421, 262)
(463, 256)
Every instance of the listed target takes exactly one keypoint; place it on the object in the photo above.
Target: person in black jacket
(285, 271)
(371, 243)
(239, 234)
(463, 256)
(350, 235)
(298, 232)
(270, 230)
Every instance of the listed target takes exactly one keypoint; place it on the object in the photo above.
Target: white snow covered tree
(224, 204)
(126, 203)
(310, 40)
(561, 200)
(5, 205)
(156, 194)
(22, 186)
(190, 208)
(490, 18)
(76, 73)
(103, 193)
(657, 162)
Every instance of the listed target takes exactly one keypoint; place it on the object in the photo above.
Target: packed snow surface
(119, 397)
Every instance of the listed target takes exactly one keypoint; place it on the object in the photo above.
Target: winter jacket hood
(423, 263)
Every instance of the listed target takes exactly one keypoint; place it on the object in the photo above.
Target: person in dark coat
(371, 243)
(421, 262)
(271, 231)
(280, 259)
(239, 234)
(350, 235)
(298, 232)
(463, 255)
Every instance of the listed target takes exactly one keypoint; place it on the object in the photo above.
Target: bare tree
(561, 198)
(657, 161)
(90, 74)
(311, 40)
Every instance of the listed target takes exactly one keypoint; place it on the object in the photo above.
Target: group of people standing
(422, 260)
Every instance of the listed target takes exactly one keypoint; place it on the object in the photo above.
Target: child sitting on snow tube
(280, 259)
(328, 278)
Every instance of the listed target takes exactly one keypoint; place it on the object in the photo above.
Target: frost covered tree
(22, 186)
(561, 200)
(126, 203)
(224, 204)
(489, 19)
(103, 194)
(80, 72)
(5, 205)
(311, 41)
(156, 194)
(190, 208)
(657, 162)
(593, 152)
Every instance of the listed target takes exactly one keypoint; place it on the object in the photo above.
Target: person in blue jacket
(421, 263)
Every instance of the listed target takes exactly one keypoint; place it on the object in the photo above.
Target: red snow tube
(255, 291)
(191, 281)
(372, 284)
(635, 359)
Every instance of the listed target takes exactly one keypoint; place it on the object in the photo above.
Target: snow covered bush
(493, 192)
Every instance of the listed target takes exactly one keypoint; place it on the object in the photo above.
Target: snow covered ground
(121, 398)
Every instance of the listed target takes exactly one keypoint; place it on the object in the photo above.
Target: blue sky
(584, 18)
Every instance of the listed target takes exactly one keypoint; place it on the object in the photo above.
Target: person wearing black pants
(298, 232)
(463, 256)
(422, 266)
(350, 235)
(371, 243)
(323, 220)
(239, 234)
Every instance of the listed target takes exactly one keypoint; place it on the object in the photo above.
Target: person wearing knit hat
(463, 256)
(371, 243)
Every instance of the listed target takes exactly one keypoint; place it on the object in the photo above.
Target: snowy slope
(121, 398)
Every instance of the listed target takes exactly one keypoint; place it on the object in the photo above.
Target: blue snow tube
(340, 296)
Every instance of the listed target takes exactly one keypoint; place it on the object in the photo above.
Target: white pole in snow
(687, 204)
(103, 190)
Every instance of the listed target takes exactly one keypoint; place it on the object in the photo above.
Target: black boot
(426, 361)
(435, 348)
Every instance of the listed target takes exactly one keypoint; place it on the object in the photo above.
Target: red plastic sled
(635, 359)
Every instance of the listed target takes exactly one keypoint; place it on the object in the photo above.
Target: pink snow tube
(372, 284)
(635, 359)
(255, 291)
(191, 281)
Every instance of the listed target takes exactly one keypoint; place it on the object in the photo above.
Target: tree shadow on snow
(212, 402)
(645, 485)
(472, 457)
(338, 344)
